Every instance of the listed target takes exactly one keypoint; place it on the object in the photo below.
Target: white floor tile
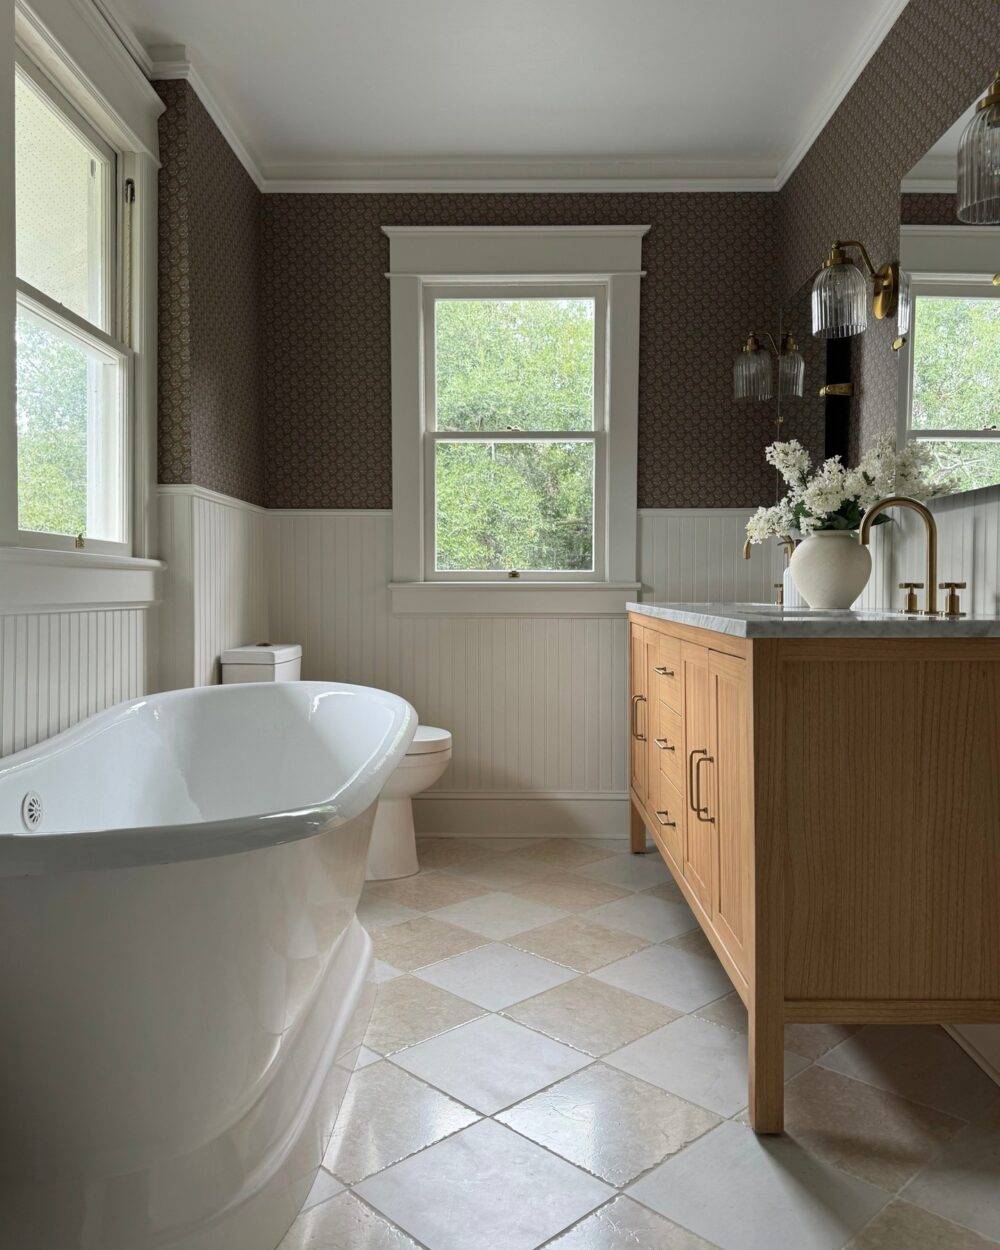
(645, 915)
(344, 1223)
(744, 1192)
(498, 915)
(324, 1187)
(624, 1225)
(491, 1062)
(381, 972)
(963, 1182)
(677, 978)
(699, 1061)
(635, 872)
(495, 976)
(484, 1189)
(376, 913)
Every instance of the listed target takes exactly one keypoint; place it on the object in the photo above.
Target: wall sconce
(753, 376)
(979, 162)
(904, 311)
(840, 292)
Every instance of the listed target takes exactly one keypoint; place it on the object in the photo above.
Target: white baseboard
(595, 816)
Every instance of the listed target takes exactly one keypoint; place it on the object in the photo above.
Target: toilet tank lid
(263, 653)
(428, 739)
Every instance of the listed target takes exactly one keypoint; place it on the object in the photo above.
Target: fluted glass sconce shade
(904, 311)
(839, 298)
(752, 372)
(979, 162)
(791, 370)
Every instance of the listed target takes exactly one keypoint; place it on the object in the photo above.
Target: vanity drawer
(665, 670)
(666, 743)
(668, 815)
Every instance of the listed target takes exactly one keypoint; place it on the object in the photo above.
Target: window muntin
(73, 372)
(528, 363)
(954, 385)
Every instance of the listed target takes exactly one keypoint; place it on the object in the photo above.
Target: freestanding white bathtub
(180, 961)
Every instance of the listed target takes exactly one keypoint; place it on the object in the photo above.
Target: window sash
(597, 436)
(109, 451)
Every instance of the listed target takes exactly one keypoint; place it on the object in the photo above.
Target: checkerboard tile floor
(556, 1058)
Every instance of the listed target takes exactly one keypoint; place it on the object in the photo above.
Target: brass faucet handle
(952, 605)
(911, 589)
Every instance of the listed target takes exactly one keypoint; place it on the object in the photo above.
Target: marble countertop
(766, 620)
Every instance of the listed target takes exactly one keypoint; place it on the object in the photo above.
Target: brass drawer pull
(664, 671)
(662, 818)
(700, 809)
(664, 745)
(636, 700)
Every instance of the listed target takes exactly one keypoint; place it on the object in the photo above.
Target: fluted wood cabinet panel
(56, 668)
(215, 592)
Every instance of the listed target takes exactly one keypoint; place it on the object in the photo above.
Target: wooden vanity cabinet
(830, 809)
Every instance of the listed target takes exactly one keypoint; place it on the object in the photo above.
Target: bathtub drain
(31, 810)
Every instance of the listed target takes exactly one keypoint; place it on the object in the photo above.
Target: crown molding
(108, 9)
(828, 106)
(171, 62)
(596, 175)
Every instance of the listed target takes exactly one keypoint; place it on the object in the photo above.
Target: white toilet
(393, 848)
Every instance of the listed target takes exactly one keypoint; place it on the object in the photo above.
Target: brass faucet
(788, 542)
(902, 501)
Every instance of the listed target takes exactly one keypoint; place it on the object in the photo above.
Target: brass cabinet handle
(663, 744)
(663, 670)
(701, 809)
(636, 700)
(662, 818)
(694, 784)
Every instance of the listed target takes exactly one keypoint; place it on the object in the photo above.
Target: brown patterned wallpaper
(928, 209)
(936, 59)
(211, 401)
(710, 276)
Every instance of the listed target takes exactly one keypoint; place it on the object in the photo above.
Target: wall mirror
(820, 418)
(949, 360)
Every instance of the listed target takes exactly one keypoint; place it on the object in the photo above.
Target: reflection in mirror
(949, 385)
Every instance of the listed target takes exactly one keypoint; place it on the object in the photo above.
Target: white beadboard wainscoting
(214, 592)
(536, 704)
(56, 668)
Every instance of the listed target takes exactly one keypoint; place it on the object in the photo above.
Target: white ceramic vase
(830, 568)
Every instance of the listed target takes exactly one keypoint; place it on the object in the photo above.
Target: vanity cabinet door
(638, 710)
(699, 733)
(726, 789)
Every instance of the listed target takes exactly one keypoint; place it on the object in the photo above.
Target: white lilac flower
(790, 459)
(774, 522)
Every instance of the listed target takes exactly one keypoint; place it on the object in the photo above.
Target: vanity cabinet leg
(637, 832)
(767, 1070)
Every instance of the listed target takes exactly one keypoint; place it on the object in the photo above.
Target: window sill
(42, 579)
(512, 598)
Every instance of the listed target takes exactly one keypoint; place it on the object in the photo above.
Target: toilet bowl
(393, 848)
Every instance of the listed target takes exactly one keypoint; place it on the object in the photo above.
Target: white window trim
(72, 45)
(427, 257)
(943, 260)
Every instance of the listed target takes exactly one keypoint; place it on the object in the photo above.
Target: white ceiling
(627, 89)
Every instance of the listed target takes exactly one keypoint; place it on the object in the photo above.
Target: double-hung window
(515, 432)
(952, 384)
(73, 365)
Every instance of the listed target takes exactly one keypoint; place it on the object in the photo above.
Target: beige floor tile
(443, 852)
(388, 1115)
(378, 913)
(484, 1189)
(865, 1131)
(916, 1061)
(903, 1227)
(495, 870)
(409, 1010)
(963, 1182)
(808, 1040)
(569, 892)
(591, 1016)
(562, 853)
(624, 1225)
(426, 891)
(416, 943)
(344, 1223)
(609, 1123)
(579, 943)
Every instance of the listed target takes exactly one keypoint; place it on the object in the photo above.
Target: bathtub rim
(24, 853)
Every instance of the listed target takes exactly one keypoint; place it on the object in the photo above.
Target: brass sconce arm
(884, 280)
(842, 244)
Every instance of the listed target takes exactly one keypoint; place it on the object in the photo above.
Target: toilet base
(392, 851)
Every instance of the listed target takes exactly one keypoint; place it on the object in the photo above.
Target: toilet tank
(262, 661)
